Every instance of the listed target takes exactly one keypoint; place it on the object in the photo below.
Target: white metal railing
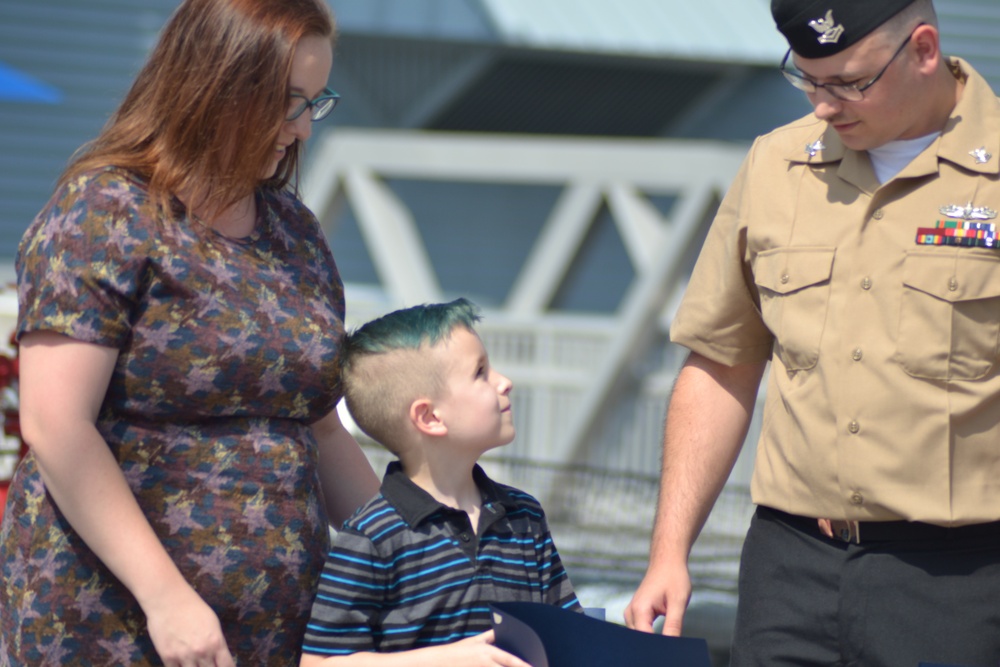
(589, 392)
(570, 371)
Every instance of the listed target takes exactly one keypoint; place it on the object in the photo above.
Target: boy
(413, 571)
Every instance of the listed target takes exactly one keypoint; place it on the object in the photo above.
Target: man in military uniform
(856, 251)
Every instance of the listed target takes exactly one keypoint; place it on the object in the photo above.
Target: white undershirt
(889, 159)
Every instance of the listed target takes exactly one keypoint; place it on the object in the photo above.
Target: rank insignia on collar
(968, 212)
(981, 155)
(815, 147)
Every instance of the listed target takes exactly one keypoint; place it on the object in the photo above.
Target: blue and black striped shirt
(407, 572)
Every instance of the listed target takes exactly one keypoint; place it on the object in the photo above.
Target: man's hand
(664, 591)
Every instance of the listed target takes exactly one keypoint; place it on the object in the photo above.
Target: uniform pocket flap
(964, 277)
(785, 270)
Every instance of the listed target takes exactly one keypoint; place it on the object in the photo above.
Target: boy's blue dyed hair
(409, 328)
(378, 393)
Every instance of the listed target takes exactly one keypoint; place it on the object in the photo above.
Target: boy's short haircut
(384, 368)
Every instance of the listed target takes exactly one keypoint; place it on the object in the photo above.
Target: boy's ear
(425, 418)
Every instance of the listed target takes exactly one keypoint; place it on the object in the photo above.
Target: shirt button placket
(866, 283)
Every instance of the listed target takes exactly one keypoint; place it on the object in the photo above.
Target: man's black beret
(820, 28)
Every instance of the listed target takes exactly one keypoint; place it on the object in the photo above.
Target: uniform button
(857, 499)
(952, 283)
(854, 427)
(465, 537)
(878, 214)
(866, 283)
(784, 279)
(857, 354)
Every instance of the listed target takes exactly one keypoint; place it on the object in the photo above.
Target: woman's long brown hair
(203, 116)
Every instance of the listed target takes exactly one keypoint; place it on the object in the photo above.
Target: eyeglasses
(849, 92)
(319, 107)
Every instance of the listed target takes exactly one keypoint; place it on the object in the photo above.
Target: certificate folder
(547, 636)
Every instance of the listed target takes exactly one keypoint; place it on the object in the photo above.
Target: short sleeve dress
(227, 352)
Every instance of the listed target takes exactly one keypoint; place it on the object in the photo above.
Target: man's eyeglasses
(319, 107)
(849, 92)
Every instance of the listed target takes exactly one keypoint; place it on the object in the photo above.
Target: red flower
(12, 424)
(8, 371)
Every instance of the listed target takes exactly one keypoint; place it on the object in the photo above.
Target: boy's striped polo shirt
(407, 572)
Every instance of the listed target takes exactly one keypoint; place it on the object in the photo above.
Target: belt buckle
(847, 531)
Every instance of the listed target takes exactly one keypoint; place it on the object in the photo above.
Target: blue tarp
(17, 86)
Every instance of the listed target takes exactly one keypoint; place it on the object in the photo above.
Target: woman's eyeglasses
(319, 107)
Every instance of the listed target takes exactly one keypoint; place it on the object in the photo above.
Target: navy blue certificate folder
(547, 636)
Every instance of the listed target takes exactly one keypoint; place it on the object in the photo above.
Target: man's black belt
(860, 532)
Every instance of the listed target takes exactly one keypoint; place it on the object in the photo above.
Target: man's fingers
(639, 620)
(673, 622)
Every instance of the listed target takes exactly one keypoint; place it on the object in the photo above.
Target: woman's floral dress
(227, 351)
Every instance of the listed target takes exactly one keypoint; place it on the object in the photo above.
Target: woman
(180, 316)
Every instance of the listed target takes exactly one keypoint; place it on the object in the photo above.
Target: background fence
(601, 520)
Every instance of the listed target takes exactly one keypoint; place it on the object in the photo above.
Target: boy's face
(475, 401)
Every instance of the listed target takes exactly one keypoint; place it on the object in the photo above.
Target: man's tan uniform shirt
(883, 398)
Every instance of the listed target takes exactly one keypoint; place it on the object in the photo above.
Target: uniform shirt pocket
(794, 286)
(949, 322)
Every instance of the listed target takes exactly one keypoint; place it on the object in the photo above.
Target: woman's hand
(186, 632)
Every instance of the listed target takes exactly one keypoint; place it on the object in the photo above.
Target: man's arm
(475, 651)
(707, 421)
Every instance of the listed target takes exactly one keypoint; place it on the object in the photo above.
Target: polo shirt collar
(416, 505)
(974, 126)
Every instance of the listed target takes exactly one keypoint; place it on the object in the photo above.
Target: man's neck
(949, 84)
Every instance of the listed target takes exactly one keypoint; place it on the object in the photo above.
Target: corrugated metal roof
(739, 31)
(461, 20)
(970, 29)
(736, 31)
(88, 52)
